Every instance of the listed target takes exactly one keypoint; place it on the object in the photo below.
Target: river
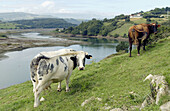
(15, 69)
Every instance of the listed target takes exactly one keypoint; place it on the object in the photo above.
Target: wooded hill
(119, 25)
(42, 23)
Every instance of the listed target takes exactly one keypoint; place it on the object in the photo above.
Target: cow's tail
(132, 35)
(33, 70)
(33, 67)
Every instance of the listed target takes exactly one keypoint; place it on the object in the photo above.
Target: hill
(20, 16)
(43, 23)
(106, 85)
(119, 25)
(74, 21)
(12, 16)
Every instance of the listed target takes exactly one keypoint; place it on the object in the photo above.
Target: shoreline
(18, 44)
(81, 36)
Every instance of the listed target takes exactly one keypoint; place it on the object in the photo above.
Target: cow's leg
(59, 87)
(67, 82)
(34, 82)
(37, 92)
(130, 47)
(138, 47)
(144, 43)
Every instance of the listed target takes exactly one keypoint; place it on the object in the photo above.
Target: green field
(124, 29)
(7, 26)
(111, 80)
(138, 20)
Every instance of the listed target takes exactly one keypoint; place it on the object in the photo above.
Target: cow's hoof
(59, 90)
(36, 105)
(67, 90)
(138, 54)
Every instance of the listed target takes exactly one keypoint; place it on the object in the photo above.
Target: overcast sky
(85, 9)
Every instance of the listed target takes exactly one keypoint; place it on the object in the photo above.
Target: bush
(116, 35)
(4, 36)
(122, 46)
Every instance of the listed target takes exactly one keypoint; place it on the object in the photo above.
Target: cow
(51, 68)
(141, 32)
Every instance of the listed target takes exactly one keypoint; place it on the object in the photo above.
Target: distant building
(138, 15)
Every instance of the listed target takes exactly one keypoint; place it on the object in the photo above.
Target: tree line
(95, 27)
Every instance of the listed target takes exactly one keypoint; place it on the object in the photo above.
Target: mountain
(20, 16)
(74, 21)
(12, 16)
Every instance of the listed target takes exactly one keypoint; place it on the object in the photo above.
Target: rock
(90, 99)
(165, 107)
(107, 107)
(158, 86)
(149, 100)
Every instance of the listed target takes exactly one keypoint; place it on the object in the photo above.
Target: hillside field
(124, 28)
(108, 84)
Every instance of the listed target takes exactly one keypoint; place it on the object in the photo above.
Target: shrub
(122, 46)
(4, 36)
(116, 35)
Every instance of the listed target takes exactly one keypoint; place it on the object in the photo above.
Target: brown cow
(141, 32)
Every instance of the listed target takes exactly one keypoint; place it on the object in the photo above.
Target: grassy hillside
(111, 80)
(122, 30)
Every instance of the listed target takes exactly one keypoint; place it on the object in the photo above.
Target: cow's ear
(73, 58)
(158, 25)
(89, 56)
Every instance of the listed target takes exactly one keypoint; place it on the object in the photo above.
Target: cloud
(63, 11)
(48, 4)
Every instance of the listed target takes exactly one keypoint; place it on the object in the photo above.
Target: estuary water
(16, 68)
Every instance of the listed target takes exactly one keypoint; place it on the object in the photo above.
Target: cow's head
(79, 59)
(154, 28)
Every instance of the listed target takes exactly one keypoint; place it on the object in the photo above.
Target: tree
(105, 32)
(57, 30)
(84, 32)
(70, 29)
(127, 19)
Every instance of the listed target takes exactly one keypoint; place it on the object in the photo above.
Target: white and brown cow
(54, 68)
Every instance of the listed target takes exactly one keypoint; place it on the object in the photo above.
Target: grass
(138, 20)
(107, 23)
(122, 30)
(111, 79)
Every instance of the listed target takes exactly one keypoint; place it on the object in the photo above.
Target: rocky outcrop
(165, 107)
(158, 87)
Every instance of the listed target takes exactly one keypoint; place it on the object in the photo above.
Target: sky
(81, 9)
